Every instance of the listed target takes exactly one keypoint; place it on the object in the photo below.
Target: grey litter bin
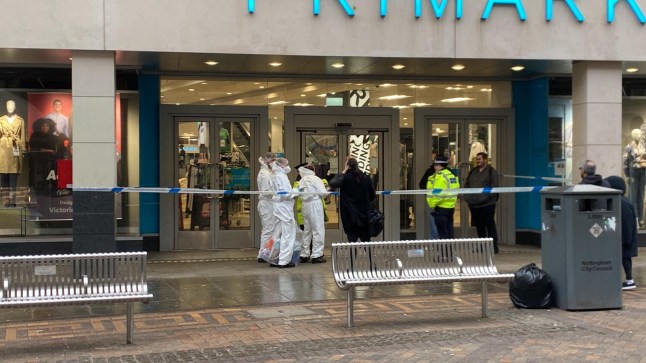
(581, 246)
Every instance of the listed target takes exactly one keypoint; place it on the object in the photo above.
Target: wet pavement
(225, 306)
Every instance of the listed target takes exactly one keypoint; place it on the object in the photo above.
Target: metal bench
(93, 278)
(410, 262)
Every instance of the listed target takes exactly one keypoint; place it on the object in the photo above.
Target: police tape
(224, 192)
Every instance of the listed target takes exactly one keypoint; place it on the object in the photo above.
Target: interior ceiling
(249, 79)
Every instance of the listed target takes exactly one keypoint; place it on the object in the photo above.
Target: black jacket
(355, 200)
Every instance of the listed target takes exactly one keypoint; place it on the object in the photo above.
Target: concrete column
(95, 161)
(596, 112)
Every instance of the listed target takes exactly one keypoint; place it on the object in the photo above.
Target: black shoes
(320, 259)
(261, 260)
(303, 259)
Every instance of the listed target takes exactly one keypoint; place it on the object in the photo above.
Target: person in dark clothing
(483, 206)
(356, 196)
(628, 231)
(43, 152)
(43, 138)
(589, 175)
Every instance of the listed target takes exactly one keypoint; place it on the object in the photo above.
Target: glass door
(460, 140)
(214, 153)
(327, 151)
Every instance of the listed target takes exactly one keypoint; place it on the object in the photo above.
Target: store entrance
(324, 138)
(460, 138)
(218, 151)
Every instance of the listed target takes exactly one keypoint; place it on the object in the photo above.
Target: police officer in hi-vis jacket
(442, 206)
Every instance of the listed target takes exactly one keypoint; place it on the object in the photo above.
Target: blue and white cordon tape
(443, 192)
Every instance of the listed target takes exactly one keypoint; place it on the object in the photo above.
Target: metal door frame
(505, 129)
(339, 120)
(169, 115)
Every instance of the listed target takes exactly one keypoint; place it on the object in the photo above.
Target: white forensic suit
(265, 204)
(313, 214)
(284, 212)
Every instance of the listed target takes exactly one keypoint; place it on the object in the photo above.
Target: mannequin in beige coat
(12, 145)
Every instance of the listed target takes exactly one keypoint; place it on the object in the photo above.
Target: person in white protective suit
(265, 203)
(284, 212)
(313, 214)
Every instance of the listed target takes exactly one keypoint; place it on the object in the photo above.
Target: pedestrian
(284, 212)
(356, 196)
(265, 204)
(442, 206)
(432, 228)
(313, 215)
(483, 205)
(628, 231)
(588, 170)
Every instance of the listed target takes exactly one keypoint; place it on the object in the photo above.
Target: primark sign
(440, 5)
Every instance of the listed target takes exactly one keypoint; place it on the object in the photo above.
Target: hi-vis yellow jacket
(443, 179)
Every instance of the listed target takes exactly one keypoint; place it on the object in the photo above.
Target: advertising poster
(49, 129)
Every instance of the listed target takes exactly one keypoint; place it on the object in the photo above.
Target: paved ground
(304, 319)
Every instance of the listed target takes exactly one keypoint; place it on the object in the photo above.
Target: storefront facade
(362, 45)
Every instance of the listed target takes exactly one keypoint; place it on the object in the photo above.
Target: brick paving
(403, 329)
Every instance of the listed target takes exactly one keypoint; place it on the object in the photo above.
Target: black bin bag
(531, 288)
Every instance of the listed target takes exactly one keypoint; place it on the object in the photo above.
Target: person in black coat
(628, 231)
(356, 195)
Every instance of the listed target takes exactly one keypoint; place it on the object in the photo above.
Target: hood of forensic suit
(303, 171)
(278, 168)
(263, 163)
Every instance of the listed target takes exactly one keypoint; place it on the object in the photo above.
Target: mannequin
(12, 144)
(635, 170)
(478, 144)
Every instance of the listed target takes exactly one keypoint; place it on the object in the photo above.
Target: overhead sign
(440, 5)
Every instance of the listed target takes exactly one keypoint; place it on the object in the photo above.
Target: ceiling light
(191, 89)
(210, 63)
(458, 67)
(70, 58)
(238, 101)
(261, 86)
(386, 85)
(517, 68)
(229, 93)
(486, 89)
(418, 86)
(419, 104)
(394, 97)
(322, 95)
(162, 96)
(303, 104)
(202, 99)
(303, 95)
(469, 87)
(177, 104)
(278, 103)
(401, 106)
(405, 123)
(203, 83)
(275, 64)
(405, 118)
(632, 70)
(438, 130)
(338, 65)
(399, 66)
(457, 99)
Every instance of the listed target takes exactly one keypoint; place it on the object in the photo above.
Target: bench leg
(350, 307)
(130, 321)
(484, 299)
